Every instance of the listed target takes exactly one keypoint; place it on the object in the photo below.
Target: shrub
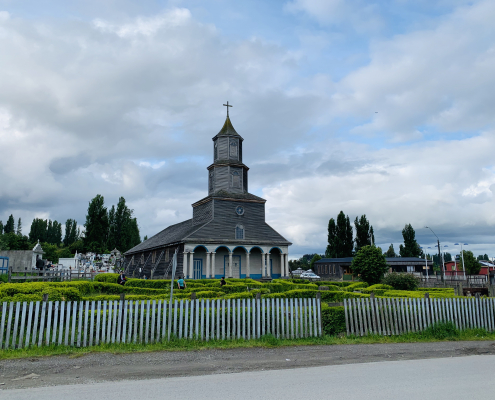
(300, 293)
(273, 296)
(207, 294)
(332, 319)
(149, 283)
(274, 287)
(234, 288)
(110, 278)
(245, 295)
(401, 281)
(337, 297)
(356, 285)
(262, 291)
(378, 289)
(441, 331)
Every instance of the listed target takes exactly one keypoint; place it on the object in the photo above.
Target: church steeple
(227, 173)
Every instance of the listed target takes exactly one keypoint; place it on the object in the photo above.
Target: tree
(145, 238)
(340, 237)
(9, 226)
(19, 227)
(471, 264)
(391, 251)
(39, 230)
(447, 257)
(369, 264)
(411, 247)
(96, 234)
(1, 227)
(364, 232)
(315, 258)
(72, 232)
(483, 257)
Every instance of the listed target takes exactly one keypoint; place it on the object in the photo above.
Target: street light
(426, 262)
(438, 244)
(443, 258)
(462, 257)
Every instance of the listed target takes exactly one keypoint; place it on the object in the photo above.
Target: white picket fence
(88, 323)
(396, 316)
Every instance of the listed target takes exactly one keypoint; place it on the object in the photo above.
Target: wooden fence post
(372, 295)
(427, 295)
(10, 273)
(45, 297)
(193, 296)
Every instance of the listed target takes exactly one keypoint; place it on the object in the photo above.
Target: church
(227, 234)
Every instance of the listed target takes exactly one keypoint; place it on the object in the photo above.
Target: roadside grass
(437, 333)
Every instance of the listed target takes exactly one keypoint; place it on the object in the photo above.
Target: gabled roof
(37, 248)
(172, 234)
(227, 130)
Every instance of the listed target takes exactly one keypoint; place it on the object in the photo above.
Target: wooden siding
(222, 178)
(202, 213)
(225, 219)
(245, 180)
(233, 153)
(223, 148)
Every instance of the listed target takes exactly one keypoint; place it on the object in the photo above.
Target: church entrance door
(236, 267)
(198, 269)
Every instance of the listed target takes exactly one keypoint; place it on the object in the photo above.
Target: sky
(381, 108)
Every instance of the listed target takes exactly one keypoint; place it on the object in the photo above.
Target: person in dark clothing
(40, 264)
(121, 279)
(222, 281)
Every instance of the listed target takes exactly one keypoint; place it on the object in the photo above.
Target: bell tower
(227, 173)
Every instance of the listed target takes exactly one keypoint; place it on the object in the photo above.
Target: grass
(437, 333)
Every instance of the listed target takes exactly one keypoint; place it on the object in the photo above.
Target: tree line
(103, 231)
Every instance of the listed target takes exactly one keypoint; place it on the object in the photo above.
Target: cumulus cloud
(128, 108)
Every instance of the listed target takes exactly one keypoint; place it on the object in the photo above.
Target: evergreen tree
(391, 251)
(471, 264)
(447, 257)
(38, 230)
(112, 240)
(9, 226)
(19, 227)
(411, 248)
(340, 237)
(364, 232)
(57, 233)
(145, 238)
(96, 234)
(49, 232)
(72, 232)
(1, 228)
(331, 251)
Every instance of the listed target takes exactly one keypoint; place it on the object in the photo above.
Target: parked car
(309, 275)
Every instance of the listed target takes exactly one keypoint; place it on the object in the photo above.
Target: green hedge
(245, 295)
(332, 320)
(355, 286)
(110, 278)
(338, 297)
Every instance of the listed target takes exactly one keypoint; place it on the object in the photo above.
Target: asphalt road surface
(468, 377)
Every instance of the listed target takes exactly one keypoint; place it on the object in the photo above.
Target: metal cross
(227, 105)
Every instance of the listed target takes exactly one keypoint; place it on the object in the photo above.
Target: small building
(23, 260)
(340, 268)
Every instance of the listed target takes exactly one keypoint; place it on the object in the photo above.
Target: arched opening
(255, 260)
(275, 263)
(199, 263)
(218, 264)
(238, 263)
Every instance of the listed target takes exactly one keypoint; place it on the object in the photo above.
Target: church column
(230, 264)
(282, 264)
(213, 264)
(191, 264)
(207, 265)
(287, 264)
(248, 266)
(263, 262)
(268, 269)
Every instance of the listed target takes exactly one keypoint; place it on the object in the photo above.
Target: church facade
(227, 234)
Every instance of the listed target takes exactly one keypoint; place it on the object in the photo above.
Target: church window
(236, 179)
(239, 232)
(233, 148)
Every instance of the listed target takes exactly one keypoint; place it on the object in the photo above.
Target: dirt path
(62, 370)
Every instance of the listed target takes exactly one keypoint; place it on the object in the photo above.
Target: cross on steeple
(227, 105)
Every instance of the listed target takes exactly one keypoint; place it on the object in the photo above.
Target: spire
(227, 129)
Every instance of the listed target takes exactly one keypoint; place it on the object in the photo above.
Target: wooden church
(227, 234)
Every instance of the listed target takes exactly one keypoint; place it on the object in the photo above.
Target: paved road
(436, 379)
(105, 367)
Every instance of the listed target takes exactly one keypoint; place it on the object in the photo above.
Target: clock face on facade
(239, 210)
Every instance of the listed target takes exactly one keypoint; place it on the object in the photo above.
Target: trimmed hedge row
(332, 320)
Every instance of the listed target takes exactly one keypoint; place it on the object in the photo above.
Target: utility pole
(438, 244)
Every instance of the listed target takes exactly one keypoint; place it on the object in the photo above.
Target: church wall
(223, 148)
(225, 220)
(221, 178)
(255, 263)
(276, 270)
(202, 213)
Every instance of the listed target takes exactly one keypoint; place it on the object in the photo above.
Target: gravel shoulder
(102, 367)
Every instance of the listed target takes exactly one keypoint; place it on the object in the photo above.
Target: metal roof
(227, 130)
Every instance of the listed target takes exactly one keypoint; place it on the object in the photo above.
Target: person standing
(181, 283)
(222, 281)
